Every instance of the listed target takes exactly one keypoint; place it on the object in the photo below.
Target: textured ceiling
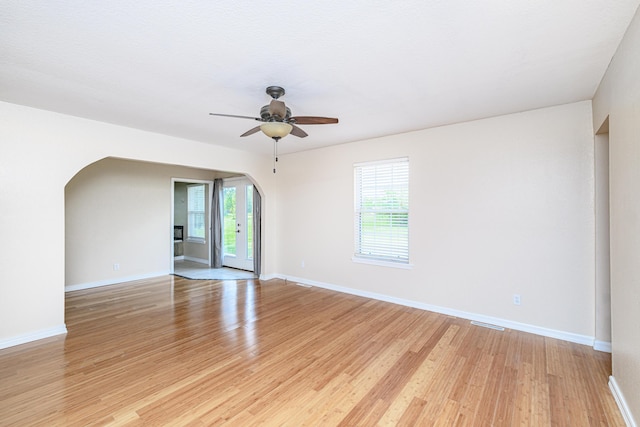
(381, 67)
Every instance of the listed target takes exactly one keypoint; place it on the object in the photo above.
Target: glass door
(237, 239)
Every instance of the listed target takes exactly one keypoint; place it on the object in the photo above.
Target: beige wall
(40, 152)
(119, 212)
(602, 272)
(618, 98)
(498, 207)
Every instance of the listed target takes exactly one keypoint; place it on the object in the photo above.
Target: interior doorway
(191, 221)
(602, 241)
(237, 219)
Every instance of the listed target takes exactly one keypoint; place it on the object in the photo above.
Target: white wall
(119, 212)
(40, 152)
(498, 207)
(618, 98)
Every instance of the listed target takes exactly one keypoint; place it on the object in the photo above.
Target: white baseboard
(198, 260)
(603, 346)
(33, 336)
(537, 330)
(178, 258)
(622, 403)
(114, 281)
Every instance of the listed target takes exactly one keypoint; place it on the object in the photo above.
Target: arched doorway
(118, 223)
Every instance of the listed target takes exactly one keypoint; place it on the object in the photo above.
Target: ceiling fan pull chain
(275, 153)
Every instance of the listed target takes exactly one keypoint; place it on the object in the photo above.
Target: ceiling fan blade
(296, 131)
(237, 117)
(251, 131)
(277, 108)
(311, 120)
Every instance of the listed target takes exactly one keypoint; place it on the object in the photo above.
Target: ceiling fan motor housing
(266, 116)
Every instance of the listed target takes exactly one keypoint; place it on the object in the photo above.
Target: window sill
(381, 263)
(199, 241)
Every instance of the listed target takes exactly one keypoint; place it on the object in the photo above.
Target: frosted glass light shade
(276, 129)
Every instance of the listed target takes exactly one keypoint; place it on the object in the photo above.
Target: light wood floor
(171, 351)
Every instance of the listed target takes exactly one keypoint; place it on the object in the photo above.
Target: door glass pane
(249, 222)
(229, 221)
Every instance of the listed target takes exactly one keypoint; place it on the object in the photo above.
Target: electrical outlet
(302, 264)
(116, 267)
(516, 299)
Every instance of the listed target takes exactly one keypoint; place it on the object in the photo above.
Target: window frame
(386, 176)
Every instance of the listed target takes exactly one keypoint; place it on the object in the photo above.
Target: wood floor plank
(173, 351)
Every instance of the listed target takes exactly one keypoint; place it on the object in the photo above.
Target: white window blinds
(382, 210)
(195, 212)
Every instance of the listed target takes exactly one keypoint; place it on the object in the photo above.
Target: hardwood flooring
(173, 351)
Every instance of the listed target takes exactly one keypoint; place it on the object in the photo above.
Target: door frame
(243, 181)
(209, 198)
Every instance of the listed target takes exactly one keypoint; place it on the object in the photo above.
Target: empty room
(328, 213)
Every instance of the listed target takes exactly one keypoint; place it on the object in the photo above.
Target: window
(382, 211)
(195, 212)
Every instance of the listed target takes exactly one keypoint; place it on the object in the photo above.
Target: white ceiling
(381, 67)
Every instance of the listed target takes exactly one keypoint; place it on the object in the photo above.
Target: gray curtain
(216, 225)
(257, 232)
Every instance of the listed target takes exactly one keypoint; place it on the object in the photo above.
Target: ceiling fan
(276, 118)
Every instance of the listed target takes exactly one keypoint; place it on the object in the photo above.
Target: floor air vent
(487, 325)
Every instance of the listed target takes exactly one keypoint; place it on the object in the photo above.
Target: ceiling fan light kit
(276, 129)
